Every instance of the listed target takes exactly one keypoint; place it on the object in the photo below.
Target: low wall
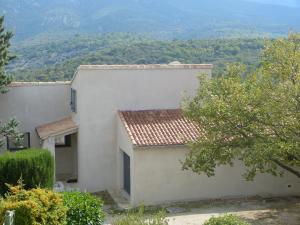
(158, 178)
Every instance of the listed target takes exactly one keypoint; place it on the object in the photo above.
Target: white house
(119, 128)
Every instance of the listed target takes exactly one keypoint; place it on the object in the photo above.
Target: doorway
(126, 173)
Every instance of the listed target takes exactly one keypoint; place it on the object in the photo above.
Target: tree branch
(291, 170)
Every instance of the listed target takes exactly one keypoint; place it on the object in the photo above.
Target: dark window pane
(73, 100)
(15, 145)
(63, 142)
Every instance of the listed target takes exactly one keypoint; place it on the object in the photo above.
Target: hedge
(34, 166)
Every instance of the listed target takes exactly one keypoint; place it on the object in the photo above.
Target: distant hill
(58, 60)
(156, 18)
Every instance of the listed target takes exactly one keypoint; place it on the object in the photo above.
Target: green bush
(83, 208)
(33, 207)
(226, 220)
(139, 218)
(34, 166)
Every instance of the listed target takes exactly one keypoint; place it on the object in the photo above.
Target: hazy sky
(292, 3)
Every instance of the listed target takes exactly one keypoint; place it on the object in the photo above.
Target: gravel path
(258, 211)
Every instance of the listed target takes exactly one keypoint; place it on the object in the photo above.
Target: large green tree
(252, 117)
(10, 128)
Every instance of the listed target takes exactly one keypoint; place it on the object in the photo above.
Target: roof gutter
(152, 147)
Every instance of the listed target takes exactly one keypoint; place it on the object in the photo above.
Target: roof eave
(143, 147)
(65, 132)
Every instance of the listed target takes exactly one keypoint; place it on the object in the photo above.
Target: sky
(291, 3)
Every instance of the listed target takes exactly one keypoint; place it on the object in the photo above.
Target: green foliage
(59, 59)
(83, 208)
(5, 56)
(9, 129)
(253, 117)
(33, 207)
(226, 220)
(34, 166)
(139, 218)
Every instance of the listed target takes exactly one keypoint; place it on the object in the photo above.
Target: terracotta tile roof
(60, 127)
(158, 127)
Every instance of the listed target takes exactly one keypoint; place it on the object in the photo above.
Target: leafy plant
(253, 117)
(226, 220)
(140, 218)
(35, 166)
(33, 207)
(83, 208)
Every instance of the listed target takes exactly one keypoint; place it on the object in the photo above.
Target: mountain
(157, 18)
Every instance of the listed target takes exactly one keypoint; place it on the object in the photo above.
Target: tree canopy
(42, 60)
(5, 57)
(253, 117)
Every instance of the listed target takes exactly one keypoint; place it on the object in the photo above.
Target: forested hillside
(53, 37)
(58, 60)
(160, 19)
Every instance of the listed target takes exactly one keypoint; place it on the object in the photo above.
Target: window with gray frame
(73, 102)
(16, 145)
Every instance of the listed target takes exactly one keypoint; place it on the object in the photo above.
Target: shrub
(33, 207)
(34, 166)
(226, 220)
(83, 208)
(139, 218)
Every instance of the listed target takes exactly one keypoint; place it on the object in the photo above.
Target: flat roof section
(145, 67)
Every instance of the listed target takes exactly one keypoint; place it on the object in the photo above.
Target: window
(63, 141)
(73, 100)
(15, 145)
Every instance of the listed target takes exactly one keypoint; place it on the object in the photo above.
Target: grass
(255, 210)
(105, 197)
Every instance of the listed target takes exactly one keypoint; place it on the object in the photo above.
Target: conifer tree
(10, 128)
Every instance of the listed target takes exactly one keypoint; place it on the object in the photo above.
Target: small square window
(15, 145)
(63, 141)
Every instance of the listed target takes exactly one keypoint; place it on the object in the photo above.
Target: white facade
(157, 177)
(101, 139)
(102, 91)
(35, 103)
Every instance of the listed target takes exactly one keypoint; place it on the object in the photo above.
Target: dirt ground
(257, 211)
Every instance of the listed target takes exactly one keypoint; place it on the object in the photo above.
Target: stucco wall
(158, 178)
(33, 104)
(100, 94)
